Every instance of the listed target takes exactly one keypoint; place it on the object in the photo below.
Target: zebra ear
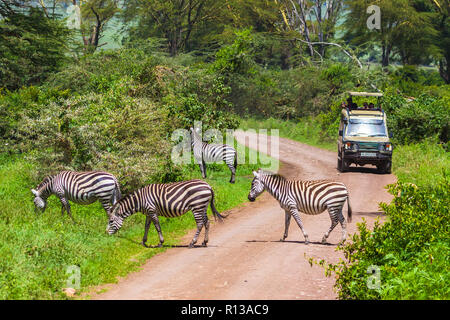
(35, 192)
(255, 173)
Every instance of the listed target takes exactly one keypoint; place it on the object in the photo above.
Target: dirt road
(245, 259)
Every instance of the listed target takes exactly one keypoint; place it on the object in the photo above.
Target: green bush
(410, 248)
(127, 137)
(418, 119)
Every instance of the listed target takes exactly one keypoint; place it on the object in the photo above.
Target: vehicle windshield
(366, 128)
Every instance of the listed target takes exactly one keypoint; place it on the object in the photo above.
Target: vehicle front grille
(368, 146)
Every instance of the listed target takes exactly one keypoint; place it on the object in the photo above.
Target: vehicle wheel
(344, 165)
(385, 167)
(388, 166)
(339, 165)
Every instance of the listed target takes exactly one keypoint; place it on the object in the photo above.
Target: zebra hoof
(145, 244)
(191, 245)
(204, 244)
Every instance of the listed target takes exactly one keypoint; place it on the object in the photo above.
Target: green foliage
(418, 119)
(106, 70)
(32, 47)
(410, 248)
(237, 57)
(338, 75)
(124, 136)
(410, 79)
(422, 163)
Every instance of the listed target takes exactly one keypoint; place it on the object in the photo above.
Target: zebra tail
(235, 161)
(349, 210)
(214, 210)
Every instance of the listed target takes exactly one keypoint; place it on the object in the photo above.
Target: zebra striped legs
(287, 221)
(202, 166)
(233, 172)
(201, 219)
(148, 222)
(336, 216)
(294, 212)
(65, 205)
(149, 218)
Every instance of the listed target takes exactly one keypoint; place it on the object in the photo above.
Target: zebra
(168, 200)
(310, 197)
(79, 187)
(204, 152)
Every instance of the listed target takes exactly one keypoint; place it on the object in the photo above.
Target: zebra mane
(272, 174)
(45, 181)
(124, 200)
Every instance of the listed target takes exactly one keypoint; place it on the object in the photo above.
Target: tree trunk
(444, 71)
(386, 52)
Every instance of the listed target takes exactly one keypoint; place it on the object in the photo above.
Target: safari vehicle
(363, 134)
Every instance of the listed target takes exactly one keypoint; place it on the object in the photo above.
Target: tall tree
(174, 20)
(93, 16)
(32, 46)
(314, 20)
(441, 18)
(403, 30)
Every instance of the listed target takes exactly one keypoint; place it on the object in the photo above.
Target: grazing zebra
(310, 197)
(79, 187)
(204, 152)
(167, 200)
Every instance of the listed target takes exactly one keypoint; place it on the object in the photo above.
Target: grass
(422, 164)
(37, 250)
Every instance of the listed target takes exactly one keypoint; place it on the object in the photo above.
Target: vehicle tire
(385, 167)
(339, 165)
(344, 165)
(388, 167)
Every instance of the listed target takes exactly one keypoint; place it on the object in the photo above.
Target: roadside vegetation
(68, 103)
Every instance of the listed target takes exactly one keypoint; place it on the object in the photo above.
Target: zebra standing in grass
(310, 197)
(204, 152)
(79, 187)
(167, 200)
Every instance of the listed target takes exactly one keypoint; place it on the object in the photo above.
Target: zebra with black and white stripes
(79, 187)
(204, 152)
(167, 200)
(310, 197)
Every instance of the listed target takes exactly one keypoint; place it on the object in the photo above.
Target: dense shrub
(413, 121)
(410, 248)
(410, 79)
(88, 132)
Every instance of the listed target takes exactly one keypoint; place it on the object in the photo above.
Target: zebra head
(40, 202)
(115, 222)
(257, 186)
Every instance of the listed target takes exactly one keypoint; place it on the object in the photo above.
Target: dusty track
(245, 259)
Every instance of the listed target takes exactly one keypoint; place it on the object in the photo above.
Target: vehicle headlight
(385, 147)
(348, 145)
(388, 147)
